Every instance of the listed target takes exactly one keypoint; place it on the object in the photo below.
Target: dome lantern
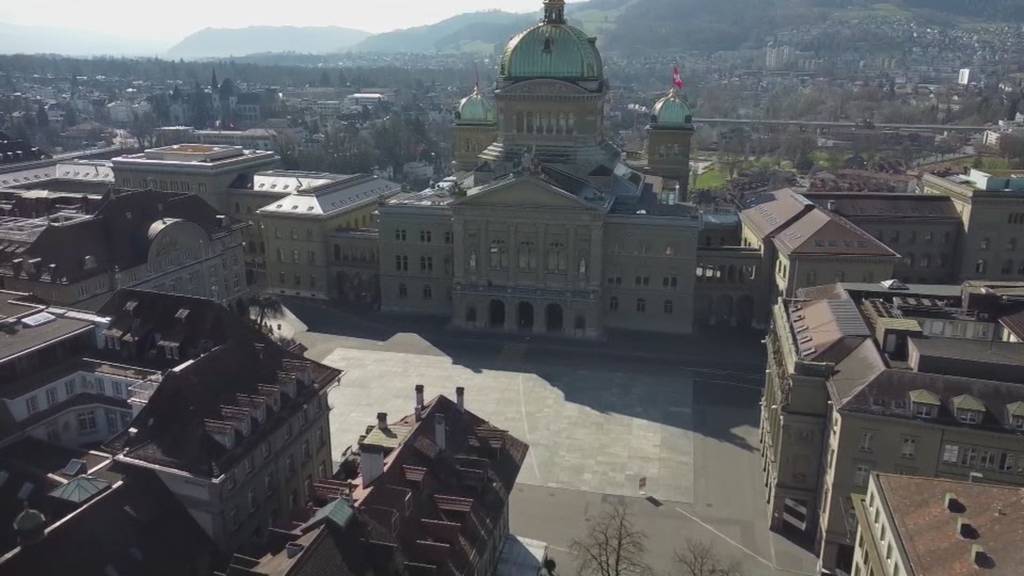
(552, 49)
(671, 111)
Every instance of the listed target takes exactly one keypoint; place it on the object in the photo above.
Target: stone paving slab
(590, 430)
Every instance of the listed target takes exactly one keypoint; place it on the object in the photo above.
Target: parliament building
(544, 227)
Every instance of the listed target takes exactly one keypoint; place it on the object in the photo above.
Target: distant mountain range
(225, 42)
(625, 25)
(472, 32)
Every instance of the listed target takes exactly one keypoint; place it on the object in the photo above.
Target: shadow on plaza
(718, 408)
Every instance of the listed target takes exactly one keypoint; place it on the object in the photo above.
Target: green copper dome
(475, 109)
(552, 49)
(671, 112)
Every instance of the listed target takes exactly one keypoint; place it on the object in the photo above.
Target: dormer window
(924, 403)
(1017, 422)
(968, 409)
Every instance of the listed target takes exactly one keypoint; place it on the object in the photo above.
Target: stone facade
(992, 223)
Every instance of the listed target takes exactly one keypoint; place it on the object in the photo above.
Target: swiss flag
(677, 78)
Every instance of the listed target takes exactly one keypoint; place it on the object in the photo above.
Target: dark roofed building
(920, 526)
(431, 497)
(144, 238)
(238, 432)
(882, 377)
(133, 526)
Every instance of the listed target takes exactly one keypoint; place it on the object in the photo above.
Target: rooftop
(856, 205)
(38, 327)
(818, 232)
(767, 214)
(323, 196)
(931, 532)
(193, 154)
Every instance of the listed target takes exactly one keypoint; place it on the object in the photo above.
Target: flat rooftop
(23, 333)
(193, 154)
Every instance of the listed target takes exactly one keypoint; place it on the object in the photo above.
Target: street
(598, 419)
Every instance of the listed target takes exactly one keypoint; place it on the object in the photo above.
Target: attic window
(182, 314)
(923, 410)
(968, 416)
(130, 305)
(1017, 422)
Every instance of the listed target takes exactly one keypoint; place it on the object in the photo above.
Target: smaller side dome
(29, 525)
(671, 111)
(476, 109)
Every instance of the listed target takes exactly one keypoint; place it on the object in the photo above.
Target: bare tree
(613, 546)
(699, 558)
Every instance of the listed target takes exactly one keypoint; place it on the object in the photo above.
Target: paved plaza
(590, 430)
(598, 417)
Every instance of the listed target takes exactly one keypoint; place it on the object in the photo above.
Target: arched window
(428, 292)
(582, 268)
(641, 305)
(472, 261)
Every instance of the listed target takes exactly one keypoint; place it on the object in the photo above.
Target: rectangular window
(51, 396)
(860, 477)
(425, 236)
(86, 421)
(69, 387)
(112, 422)
(865, 441)
(32, 404)
(909, 447)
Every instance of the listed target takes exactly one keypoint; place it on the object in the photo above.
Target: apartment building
(238, 433)
(431, 497)
(913, 526)
(885, 377)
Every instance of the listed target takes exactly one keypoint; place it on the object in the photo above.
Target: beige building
(878, 377)
(165, 241)
(204, 169)
(300, 230)
(991, 209)
(924, 229)
(916, 526)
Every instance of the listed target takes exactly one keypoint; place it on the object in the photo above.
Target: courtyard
(598, 419)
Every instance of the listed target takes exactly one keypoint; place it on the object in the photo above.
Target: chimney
(371, 465)
(419, 396)
(440, 435)
(382, 420)
(293, 549)
(460, 397)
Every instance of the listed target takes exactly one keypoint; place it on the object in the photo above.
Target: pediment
(524, 192)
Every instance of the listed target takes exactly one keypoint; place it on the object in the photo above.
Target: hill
(223, 42)
(472, 32)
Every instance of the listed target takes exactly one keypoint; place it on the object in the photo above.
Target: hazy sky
(171, 21)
